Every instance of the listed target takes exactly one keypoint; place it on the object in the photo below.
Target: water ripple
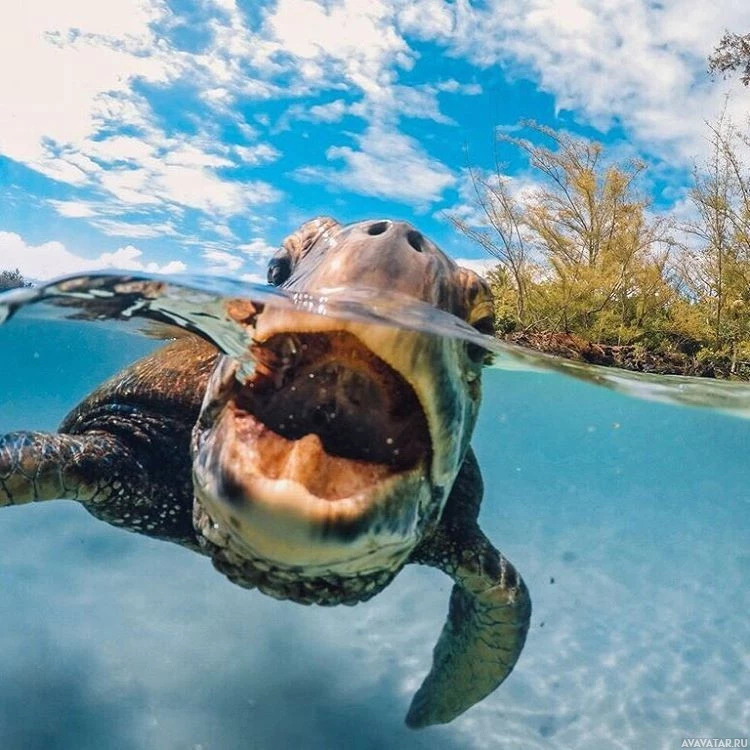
(154, 305)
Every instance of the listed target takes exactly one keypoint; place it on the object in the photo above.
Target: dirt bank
(630, 357)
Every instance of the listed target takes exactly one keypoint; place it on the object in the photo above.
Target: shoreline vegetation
(591, 270)
(632, 357)
(591, 267)
(12, 280)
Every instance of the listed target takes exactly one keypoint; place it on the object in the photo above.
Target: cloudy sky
(169, 135)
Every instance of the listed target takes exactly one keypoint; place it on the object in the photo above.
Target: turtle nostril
(415, 239)
(378, 228)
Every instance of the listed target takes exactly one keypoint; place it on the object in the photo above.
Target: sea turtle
(342, 457)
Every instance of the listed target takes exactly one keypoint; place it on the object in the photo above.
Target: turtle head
(335, 456)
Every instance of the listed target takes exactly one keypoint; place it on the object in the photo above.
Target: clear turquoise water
(638, 512)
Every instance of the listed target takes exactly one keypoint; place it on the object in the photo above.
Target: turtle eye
(279, 269)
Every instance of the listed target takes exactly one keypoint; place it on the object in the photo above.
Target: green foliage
(583, 253)
(505, 297)
(12, 280)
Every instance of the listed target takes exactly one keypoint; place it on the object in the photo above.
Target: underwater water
(628, 519)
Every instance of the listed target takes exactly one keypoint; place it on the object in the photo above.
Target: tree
(732, 54)
(716, 268)
(12, 280)
(581, 250)
(582, 253)
(504, 241)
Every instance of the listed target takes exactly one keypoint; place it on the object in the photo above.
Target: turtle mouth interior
(323, 410)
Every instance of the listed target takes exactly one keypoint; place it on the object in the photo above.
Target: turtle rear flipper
(488, 616)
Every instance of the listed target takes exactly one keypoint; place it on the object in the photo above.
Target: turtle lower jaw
(283, 520)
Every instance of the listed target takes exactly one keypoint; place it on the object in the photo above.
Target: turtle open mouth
(324, 411)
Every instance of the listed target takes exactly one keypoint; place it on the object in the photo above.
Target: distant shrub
(12, 280)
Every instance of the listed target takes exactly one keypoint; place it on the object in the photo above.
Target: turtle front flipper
(37, 466)
(98, 470)
(489, 610)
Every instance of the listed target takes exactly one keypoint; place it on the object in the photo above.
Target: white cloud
(388, 165)
(129, 259)
(187, 155)
(74, 209)
(329, 112)
(480, 266)
(52, 259)
(121, 149)
(51, 98)
(116, 228)
(428, 19)
(403, 101)
(155, 183)
(221, 258)
(356, 44)
(355, 36)
(108, 219)
(222, 261)
(157, 170)
(72, 90)
(452, 86)
(626, 61)
(213, 227)
(260, 153)
(520, 187)
(258, 249)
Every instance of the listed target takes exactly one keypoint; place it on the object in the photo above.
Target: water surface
(628, 519)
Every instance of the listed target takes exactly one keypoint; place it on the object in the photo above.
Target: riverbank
(629, 357)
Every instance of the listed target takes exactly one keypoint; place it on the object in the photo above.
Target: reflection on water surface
(203, 304)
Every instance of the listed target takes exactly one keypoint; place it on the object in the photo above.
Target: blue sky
(195, 134)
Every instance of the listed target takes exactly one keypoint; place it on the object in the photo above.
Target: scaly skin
(38, 466)
(489, 610)
(125, 454)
